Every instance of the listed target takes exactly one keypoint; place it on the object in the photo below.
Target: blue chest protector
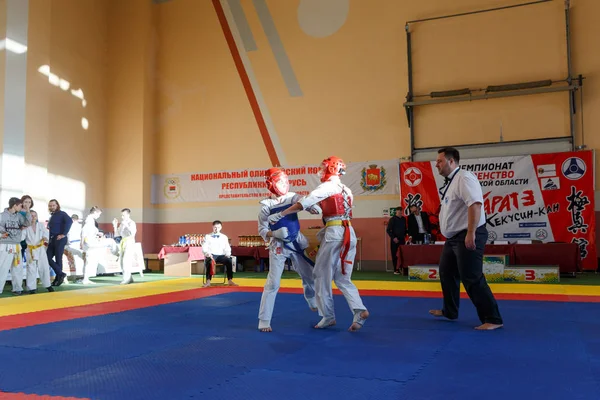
(293, 226)
(289, 221)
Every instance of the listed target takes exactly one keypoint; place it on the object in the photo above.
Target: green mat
(585, 278)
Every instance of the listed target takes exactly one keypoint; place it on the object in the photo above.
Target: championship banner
(364, 179)
(546, 197)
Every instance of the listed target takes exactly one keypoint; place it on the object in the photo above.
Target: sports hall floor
(170, 339)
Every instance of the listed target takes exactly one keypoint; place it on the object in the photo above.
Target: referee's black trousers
(457, 264)
(219, 259)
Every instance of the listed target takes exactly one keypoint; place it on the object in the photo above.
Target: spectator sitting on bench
(216, 248)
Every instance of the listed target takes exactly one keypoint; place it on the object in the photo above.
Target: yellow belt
(337, 222)
(31, 248)
(37, 246)
(17, 257)
(122, 244)
(345, 243)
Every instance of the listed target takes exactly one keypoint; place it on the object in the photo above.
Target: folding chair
(217, 265)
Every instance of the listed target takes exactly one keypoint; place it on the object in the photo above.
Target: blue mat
(210, 348)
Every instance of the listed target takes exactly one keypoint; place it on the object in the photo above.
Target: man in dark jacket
(59, 224)
(396, 230)
(418, 224)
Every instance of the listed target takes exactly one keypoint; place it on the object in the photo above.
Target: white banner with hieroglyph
(364, 179)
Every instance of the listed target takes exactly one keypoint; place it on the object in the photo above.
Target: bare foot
(269, 329)
(488, 327)
(436, 313)
(325, 323)
(440, 314)
(359, 321)
(314, 309)
(232, 283)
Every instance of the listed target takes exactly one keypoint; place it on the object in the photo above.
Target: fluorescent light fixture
(44, 70)
(53, 79)
(12, 46)
(64, 85)
(77, 93)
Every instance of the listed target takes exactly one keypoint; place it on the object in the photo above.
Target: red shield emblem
(373, 176)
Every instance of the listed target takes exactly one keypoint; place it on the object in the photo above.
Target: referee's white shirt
(464, 190)
(216, 244)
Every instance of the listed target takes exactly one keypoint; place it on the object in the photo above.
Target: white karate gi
(94, 248)
(10, 262)
(37, 260)
(278, 253)
(10, 248)
(127, 231)
(18, 267)
(74, 247)
(328, 264)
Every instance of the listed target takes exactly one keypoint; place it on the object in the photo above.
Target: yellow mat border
(73, 298)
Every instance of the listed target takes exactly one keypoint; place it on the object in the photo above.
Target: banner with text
(364, 179)
(546, 197)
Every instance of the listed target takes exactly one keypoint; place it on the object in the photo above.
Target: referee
(462, 222)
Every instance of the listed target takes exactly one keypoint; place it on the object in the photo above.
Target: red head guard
(332, 166)
(277, 181)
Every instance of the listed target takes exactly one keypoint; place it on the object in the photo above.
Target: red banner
(546, 197)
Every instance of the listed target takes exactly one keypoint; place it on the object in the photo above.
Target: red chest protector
(339, 205)
(336, 206)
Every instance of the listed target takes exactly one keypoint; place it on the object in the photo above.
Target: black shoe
(17, 293)
(60, 280)
(50, 289)
(32, 291)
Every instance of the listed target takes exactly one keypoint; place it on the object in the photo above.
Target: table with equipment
(565, 255)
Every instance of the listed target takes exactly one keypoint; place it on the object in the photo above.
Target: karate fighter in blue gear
(286, 241)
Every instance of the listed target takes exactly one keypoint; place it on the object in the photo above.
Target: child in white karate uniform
(12, 223)
(37, 237)
(93, 245)
(126, 230)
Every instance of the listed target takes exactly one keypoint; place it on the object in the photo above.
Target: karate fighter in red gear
(286, 241)
(335, 258)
